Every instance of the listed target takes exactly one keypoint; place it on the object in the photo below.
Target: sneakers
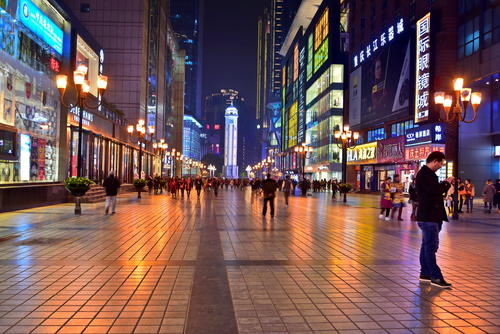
(381, 216)
(387, 218)
(440, 283)
(425, 278)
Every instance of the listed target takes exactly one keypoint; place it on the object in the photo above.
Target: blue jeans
(430, 244)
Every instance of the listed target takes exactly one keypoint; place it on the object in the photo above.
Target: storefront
(361, 159)
(104, 148)
(421, 141)
(31, 54)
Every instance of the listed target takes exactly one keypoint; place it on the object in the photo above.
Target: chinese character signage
(429, 133)
(366, 154)
(41, 25)
(391, 150)
(422, 77)
(380, 41)
(421, 152)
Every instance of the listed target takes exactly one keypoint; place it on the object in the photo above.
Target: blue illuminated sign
(33, 18)
(425, 134)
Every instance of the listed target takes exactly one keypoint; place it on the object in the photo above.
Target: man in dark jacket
(111, 184)
(269, 187)
(430, 217)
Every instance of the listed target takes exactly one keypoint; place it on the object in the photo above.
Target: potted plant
(139, 185)
(344, 188)
(78, 186)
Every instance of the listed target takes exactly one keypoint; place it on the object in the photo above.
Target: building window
(292, 125)
(468, 37)
(376, 134)
(399, 129)
(491, 26)
(296, 62)
(309, 56)
(321, 30)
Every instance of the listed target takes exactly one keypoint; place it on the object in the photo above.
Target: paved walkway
(217, 266)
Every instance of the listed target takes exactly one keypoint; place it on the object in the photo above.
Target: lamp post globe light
(304, 152)
(453, 108)
(345, 138)
(82, 88)
(140, 131)
(161, 149)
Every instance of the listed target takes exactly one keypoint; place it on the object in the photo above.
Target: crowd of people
(392, 198)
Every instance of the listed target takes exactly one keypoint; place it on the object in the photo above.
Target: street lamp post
(140, 130)
(161, 149)
(82, 87)
(345, 138)
(212, 170)
(455, 110)
(303, 151)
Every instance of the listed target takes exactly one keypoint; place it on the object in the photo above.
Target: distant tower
(231, 143)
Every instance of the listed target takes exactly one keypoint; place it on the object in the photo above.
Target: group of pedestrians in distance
(392, 197)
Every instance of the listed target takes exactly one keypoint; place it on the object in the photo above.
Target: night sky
(230, 47)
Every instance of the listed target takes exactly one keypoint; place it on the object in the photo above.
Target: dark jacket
(269, 187)
(111, 184)
(430, 194)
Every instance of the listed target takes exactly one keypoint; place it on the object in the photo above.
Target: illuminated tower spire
(231, 142)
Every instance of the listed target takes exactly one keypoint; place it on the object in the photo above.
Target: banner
(391, 150)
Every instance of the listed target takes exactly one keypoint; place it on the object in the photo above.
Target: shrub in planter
(78, 186)
(344, 188)
(139, 183)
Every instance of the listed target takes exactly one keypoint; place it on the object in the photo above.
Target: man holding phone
(430, 217)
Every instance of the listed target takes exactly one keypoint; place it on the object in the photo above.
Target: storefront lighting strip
(421, 143)
(55, 10)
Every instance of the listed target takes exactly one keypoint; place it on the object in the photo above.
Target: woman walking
(385, 199)
(470, 193)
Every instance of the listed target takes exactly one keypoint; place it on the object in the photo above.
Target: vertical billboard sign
(422, 77)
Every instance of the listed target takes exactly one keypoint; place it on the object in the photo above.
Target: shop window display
(29, 105)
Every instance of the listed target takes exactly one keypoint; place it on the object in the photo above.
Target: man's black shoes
(440, 283)
(424, 278)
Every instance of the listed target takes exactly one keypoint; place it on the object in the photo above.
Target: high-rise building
(231, 143)
(313, 88)
(272, 29)
(142, 61)
(186, 17)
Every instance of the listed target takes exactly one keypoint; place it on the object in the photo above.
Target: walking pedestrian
(215, 185)
(496, 198)
(111, 185)
(412, 190)
(430, 217)
(470, 193)
(287, 188)
(488, 196)
(461, 195)
(269, 187)
(398, 201)
(335, 188)
(385, 199)
(198, 184)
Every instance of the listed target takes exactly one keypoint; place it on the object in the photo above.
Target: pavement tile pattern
(216, 265)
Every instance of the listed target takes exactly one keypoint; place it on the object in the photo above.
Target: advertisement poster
(385, 84)
(355, 97)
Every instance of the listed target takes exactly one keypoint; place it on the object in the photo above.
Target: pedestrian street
(216, 265)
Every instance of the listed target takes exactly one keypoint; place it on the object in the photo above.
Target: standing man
(287, 188)
(430, 217)
(111, 184)
(269, 187)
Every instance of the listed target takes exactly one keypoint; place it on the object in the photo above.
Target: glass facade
(29, 100)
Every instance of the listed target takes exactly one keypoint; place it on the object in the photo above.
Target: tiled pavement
(217, 266)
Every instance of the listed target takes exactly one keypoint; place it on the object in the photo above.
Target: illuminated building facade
(391, 96)
(231, 143)
(313, 87)
(272, 28)
(186, 17)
